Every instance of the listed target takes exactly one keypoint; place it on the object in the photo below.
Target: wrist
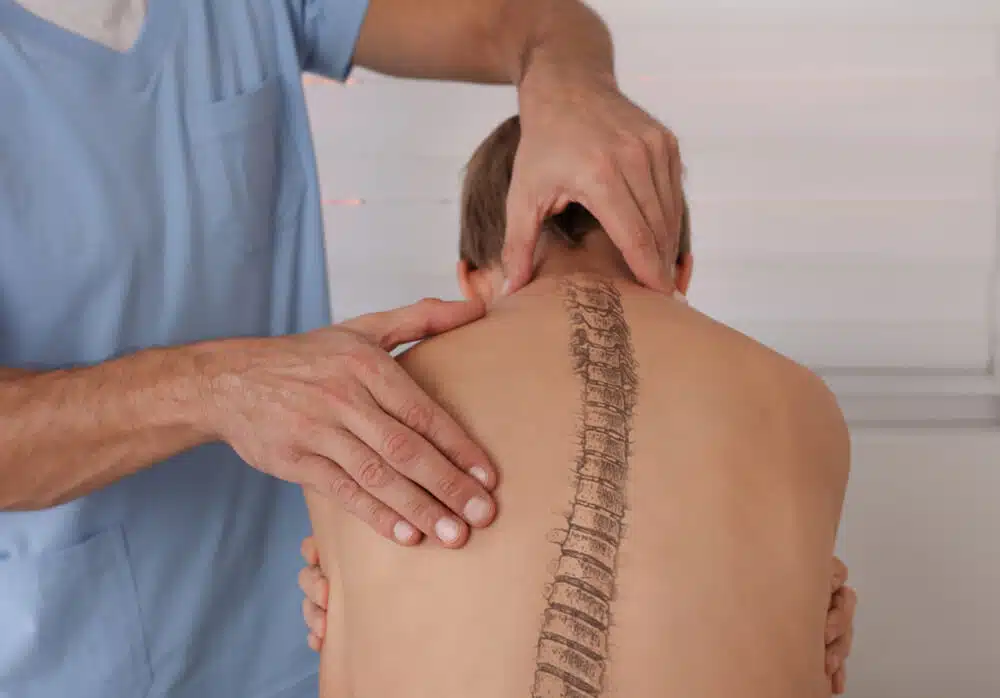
(187, 387)
(569, 43)
(546, 80)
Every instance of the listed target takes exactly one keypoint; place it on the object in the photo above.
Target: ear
(465, 285)
(480, 285)
(683, 272)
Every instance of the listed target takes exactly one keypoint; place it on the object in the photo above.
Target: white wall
(842, 170)
(852, 161)
(920, 535)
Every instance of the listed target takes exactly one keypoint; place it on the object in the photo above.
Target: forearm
(66, 433)
(487, 41)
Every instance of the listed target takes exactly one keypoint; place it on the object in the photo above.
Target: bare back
(669, 497)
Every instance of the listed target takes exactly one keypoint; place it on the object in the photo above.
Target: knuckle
(667, 139)
(373, 474)
(418, 417)
(363, 361)
(421, 510)
(633, 151)
(450, 487)
(345, 489)
(288, 461)
(378, 516)
(337, 395)
(399, 447)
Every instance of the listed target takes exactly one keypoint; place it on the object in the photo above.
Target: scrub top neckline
(135, 66)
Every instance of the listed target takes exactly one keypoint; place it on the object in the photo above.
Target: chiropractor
(169, 374)
(164, 317)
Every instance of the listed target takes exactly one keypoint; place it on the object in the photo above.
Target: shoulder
(815, 419)
(445, 358)
(801, 405)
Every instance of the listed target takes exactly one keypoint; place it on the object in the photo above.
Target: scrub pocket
(69, 624)
(248, 179)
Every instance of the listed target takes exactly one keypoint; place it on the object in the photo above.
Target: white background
(842, 172)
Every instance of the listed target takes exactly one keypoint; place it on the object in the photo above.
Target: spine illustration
(573, 644)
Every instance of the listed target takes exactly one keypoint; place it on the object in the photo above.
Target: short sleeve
(329, 30)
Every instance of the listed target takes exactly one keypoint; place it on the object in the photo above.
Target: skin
(839, 633)
(352, 426)
(486, 285)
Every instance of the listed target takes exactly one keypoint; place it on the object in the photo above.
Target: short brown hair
(484, 203)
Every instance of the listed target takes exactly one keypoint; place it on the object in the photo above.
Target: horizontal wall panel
(877, 346)
(441, 119)
(896, 12)
(765, 169)
(359, 291)
(907, 412)
(817, 292)
(831, 170)
(881, 109)
(858, 51)
(420, 237)
(388, 177)
(865, 232)
(414, 118)
(737, 233)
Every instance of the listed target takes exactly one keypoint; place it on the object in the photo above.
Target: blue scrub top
(157, 197)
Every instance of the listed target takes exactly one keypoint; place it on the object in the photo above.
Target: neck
(598, 256)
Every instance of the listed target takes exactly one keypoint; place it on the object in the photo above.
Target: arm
(330, 410)
(583, 141)
(487, 41)
(67, 433)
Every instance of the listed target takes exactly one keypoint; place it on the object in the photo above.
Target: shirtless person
(670, 491)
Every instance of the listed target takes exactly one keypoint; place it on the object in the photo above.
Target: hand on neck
(554, 261)
(597, 256)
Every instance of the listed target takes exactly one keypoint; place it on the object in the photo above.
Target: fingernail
(506, 287)
(447, 530)
(479, 473)
(403, 532)
(476, 510)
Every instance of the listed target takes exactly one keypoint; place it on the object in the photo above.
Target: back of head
(487, 182)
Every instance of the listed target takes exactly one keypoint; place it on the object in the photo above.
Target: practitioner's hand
(333, 411)
(839, 627)
(583, 141)
(316, 588)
